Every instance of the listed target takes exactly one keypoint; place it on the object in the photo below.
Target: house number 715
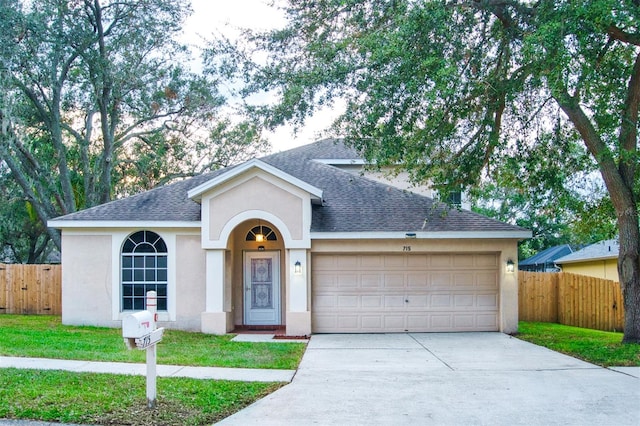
(406, 248)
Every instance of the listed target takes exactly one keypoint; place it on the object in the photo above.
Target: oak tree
(97, 101)
(447, 87)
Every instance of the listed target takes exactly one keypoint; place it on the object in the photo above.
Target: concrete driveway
(444, 379)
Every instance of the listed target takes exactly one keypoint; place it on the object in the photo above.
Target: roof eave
(85, 224)
(586, 259)
(519, 235)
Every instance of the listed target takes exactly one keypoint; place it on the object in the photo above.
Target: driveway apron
(444, 379)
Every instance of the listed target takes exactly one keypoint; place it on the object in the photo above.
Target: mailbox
(137, 325)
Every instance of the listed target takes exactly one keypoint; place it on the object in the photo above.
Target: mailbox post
(139, 331)
(151, 353)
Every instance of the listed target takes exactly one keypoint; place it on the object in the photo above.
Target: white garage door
(404, 292)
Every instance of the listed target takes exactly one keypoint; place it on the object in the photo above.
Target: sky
(226, 16)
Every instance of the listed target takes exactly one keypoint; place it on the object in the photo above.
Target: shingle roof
(351, 203)
(606, 249)
(548, 255)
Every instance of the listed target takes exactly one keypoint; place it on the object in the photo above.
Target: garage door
(404, 292)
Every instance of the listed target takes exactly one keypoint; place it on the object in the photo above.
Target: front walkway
(215, 373)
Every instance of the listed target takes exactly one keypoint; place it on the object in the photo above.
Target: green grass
(45, 337)
(87, 398)
(594, 346)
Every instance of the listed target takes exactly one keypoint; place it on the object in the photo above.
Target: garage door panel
(348, 322)
(487, 301)
(440, 322)
(441, 301)
(463, 261)
(489, 261)
(441, 279)
(393, 262)
(374, 262)
(417, 280)
(405, 292)
(372, 322)
(325, 281)
(372, 302)
(442, 261)
(418, 261)
(348, 302)
(463, 321)
(418, 301)
(394, 280)
(371, 281)
(394, 322)
(347, 262)
(391, 302)
(326, 322)
(418, 321)
(487, 280)
(348, 280)
(463, 301)
(323, 301)
(488, 322)
(464, 280)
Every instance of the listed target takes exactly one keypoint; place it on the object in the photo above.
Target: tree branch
(629, 127)
(616, 33)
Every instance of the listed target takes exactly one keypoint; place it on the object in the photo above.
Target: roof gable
(254, 164)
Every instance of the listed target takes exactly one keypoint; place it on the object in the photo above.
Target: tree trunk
(625, 204)
(629, 273)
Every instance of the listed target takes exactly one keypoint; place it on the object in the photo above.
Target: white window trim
(118, 239)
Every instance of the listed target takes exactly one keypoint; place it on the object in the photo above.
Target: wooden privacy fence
(31, 289)
(562, 297)
(570, 299)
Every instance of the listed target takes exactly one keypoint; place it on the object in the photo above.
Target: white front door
(262, 288)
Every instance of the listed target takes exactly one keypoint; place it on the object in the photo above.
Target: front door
(262, 288)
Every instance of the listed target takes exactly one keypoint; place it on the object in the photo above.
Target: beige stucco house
(598, 260)
(301, 239)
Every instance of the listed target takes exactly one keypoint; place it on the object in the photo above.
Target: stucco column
(509, 292)
(214, 319)
(298, 273)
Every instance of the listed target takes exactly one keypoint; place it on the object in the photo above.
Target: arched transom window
(144, 268)
(261, 233)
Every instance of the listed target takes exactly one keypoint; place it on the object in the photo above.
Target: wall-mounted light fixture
(410, 235)
(510, 266)
(260, 248)
(297, 268)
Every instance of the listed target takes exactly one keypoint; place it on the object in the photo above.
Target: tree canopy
(452, 89)
(97, 101)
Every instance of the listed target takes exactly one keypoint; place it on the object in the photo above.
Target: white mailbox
(137, 325)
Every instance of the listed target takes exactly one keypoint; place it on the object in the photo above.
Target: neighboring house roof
(350, 203)
(546, 256)
(607, 249)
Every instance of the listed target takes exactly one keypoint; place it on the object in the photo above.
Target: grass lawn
(45, 337)
(598, 347)
(87, 398)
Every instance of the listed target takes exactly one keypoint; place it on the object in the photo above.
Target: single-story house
(296, 239)
(598, 260)
(544, 261)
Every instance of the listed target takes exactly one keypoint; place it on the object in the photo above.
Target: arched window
(144, 268)
(261, 233)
